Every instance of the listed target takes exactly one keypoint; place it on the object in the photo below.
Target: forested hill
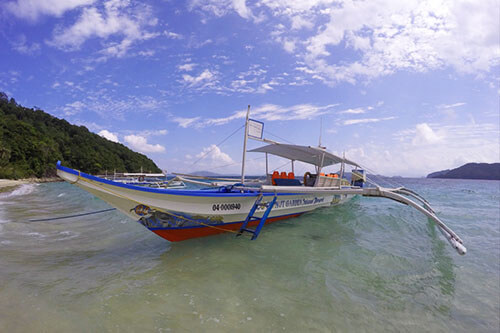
(470, 171)
(32, 141)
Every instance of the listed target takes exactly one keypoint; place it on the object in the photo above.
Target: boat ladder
(251, 216)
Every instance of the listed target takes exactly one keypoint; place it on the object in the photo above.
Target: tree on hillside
(32, 141)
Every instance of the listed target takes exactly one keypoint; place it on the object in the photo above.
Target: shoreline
(11, 184)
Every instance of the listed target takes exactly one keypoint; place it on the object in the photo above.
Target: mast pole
(244, 147)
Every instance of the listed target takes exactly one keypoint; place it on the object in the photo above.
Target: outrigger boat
(246, 206)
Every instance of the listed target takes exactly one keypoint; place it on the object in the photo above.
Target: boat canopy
(307, 154)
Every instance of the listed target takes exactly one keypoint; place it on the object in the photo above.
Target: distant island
(32, 141)
(470, 171)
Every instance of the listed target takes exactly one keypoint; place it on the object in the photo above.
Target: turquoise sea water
(370, 265)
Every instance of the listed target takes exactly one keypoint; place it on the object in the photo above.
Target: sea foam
(21, 190)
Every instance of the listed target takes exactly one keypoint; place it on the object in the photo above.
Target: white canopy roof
(312, 155)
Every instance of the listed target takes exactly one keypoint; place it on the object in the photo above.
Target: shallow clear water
(369, 265)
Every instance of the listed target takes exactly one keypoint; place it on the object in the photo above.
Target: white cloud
(71, 109)
(299, 22)
(366, 120)
(429, 148)
(289, 45)
(141, 144)
(32, 9)
(215, 155)
(387, 35)
(241, 8)
(450, 106)
(109, 107)
(425, 135)
(187, 67)
(269, 112)
(109, 135)
(172, 35)
(154, 132)
(353, 111)
(148, 53)
(117, 18)
(186, 122)
(416, 35)
(22, 46)
(223, 7)
(206, 79)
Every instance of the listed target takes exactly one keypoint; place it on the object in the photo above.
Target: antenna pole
(320, 130)
(244, 147)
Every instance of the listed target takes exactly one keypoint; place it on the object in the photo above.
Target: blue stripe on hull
(195, 193)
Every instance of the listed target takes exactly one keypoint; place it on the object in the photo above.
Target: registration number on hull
(226, 206)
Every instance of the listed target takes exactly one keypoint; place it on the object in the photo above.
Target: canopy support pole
(245, 147)
(267, 166)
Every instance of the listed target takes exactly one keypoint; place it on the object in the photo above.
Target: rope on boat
(70, 216)
(217, 145)
(161, 210)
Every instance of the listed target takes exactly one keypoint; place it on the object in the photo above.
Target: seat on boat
(287, 182)
(284, 179)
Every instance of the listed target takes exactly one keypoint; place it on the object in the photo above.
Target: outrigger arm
(397, 194)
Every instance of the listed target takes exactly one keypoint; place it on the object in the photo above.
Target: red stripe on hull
(177, 235)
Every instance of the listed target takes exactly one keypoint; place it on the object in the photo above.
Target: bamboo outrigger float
(241, 206)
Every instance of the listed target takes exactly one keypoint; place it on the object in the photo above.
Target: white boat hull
(182, 214)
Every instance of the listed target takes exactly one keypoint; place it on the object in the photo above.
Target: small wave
(67, 235)
(60, 195)
(21, 190)
(34, 234)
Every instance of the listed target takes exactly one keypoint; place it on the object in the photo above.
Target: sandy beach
(7, 184)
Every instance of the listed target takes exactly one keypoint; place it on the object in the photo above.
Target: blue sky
(402, 87)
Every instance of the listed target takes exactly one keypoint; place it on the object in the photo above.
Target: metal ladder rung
(251, 217)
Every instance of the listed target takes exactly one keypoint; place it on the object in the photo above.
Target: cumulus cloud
(215, 155)
(33, 9)
(415, 35)
(430, 147)
(223, 7)
(116, 19)
(424, 134)
(140, 143)
(109, 135)
(387, 35)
